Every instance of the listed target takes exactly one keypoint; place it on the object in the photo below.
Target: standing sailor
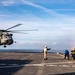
(45, 52)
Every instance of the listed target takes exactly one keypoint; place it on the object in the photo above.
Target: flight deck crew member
(45, 52)
(66, 54)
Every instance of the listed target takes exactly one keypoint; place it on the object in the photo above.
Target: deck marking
(65, 65)
(27, 57)
(2, 64)
(73, 65)
(52, 65)
(69, 62)
(60, 54)
(40, 69)
(41, 65)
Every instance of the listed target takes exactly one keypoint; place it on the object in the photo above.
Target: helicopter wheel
(4, 46)
(15, 41)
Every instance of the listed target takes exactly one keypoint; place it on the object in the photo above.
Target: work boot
(46, 58)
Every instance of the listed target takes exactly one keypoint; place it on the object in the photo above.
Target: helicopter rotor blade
(20, 32)
(16, 32)
(13, 26)
(26, 30)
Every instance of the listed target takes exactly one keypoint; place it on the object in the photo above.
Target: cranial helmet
(45, 46)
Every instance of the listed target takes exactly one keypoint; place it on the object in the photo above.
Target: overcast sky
(55, 20)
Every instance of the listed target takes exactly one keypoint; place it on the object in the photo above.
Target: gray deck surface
(33, 64)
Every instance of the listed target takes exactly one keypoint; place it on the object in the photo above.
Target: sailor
(45, 52)
(66, 54)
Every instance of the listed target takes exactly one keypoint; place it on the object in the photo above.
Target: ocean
(29, 50)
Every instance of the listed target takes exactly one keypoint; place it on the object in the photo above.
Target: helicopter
(6, 35)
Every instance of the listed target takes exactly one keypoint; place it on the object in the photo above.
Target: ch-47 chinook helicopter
(6, 35)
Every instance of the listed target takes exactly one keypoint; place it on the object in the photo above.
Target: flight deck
(16, 63)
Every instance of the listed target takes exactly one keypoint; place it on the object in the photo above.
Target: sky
(54, 19)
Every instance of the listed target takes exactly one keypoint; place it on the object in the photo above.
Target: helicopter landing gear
(15, 41)
(4, 46)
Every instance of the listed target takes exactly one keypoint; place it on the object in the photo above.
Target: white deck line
(41, 66)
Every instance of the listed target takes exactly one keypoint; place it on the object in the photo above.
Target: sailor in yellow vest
(45, 52)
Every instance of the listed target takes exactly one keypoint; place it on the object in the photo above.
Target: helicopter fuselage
(6, 39)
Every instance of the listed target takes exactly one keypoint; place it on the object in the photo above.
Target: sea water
(29, 50)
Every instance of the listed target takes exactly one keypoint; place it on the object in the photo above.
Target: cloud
(34, 2)
(7, 2)
(49, 11)
(12, 2)
(68, 28)
(69, 9)
(62, 1)
(3, 15)
(53, 1)
(40, 7)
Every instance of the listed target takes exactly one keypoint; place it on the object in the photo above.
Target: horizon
(34, 50)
